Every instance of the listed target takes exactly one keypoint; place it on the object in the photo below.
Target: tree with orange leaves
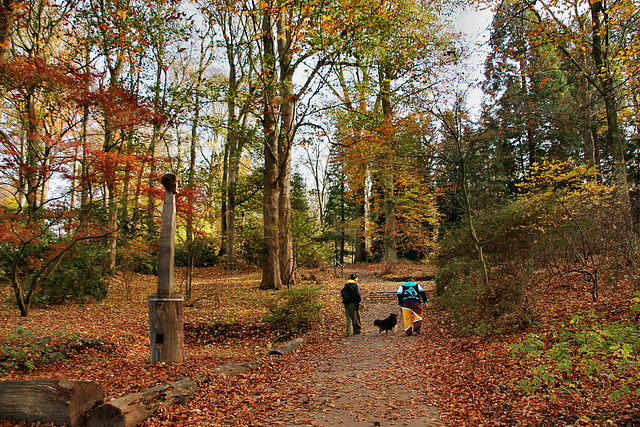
(46, 95)
(390, 60)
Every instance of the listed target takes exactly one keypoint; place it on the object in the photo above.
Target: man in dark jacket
(409, 296)
(351, 299)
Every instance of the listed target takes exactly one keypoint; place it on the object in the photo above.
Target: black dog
(388, 324)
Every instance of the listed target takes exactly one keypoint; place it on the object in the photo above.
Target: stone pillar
(166, 309)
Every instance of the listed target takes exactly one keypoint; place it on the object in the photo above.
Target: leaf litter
(438, 378)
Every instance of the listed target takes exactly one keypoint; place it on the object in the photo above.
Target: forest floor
(437, 378)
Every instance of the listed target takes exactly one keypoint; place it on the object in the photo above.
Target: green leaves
(295, 310)
(25, 350)
(585, 351)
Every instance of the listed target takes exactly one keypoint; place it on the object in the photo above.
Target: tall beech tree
(352, 127)
(110, 30)
(235, 27)
(390, 59)
(194, 113)
(163, 28)
(292, 34)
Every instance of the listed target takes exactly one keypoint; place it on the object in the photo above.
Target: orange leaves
(122, 107)
(25, 73)
(472, 381)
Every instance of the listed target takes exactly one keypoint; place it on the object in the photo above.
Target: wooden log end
(287, 347)
(59, 401)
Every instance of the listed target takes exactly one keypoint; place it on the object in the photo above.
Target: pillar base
(166, 332)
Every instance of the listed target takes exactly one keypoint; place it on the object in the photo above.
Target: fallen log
(229, 369)
(59, 401)
(131, 409)
(287, 347)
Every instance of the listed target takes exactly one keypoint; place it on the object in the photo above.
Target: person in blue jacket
(409, 296)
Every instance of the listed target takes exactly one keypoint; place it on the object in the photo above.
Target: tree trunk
(152, 229)
(466, 200)
(84, 171)
(57, 401)
(112, 225)
(74, 177)
(46, 177)
(32, 153)
(192, 149)
(271, 278)
(109, 144)
(342, 217)
(587, 133)
(390, 254)
(23, 307)
(232, 262)
(126, 191)
(387, 180)
(131, 409)
(8, 13)
(285, 140)
(361, 254)
(234, 165)
(224, 201)
(614, 136)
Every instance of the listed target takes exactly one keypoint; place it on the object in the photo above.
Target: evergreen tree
(533, 116)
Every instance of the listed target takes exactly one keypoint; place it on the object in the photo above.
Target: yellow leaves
(121, 13)
(18, 6)
(561, 177)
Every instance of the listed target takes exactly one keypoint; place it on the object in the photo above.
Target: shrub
(138, 256)
(80, 275)
(251, 242)
(580, 353)
(295, 310)
(565, 223)
(203, 252)
(310, 251)
(459, 283)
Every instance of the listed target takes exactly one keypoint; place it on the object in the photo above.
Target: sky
(475, 25)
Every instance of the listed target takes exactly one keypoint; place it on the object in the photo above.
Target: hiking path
(370, 379)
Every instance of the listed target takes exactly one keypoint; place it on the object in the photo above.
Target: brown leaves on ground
(479, 381)
(474, 381)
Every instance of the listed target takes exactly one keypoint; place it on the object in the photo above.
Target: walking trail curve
(370, 379)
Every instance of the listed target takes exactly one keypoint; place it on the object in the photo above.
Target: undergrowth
(25, 350)
(295, 310)
(582, 355)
